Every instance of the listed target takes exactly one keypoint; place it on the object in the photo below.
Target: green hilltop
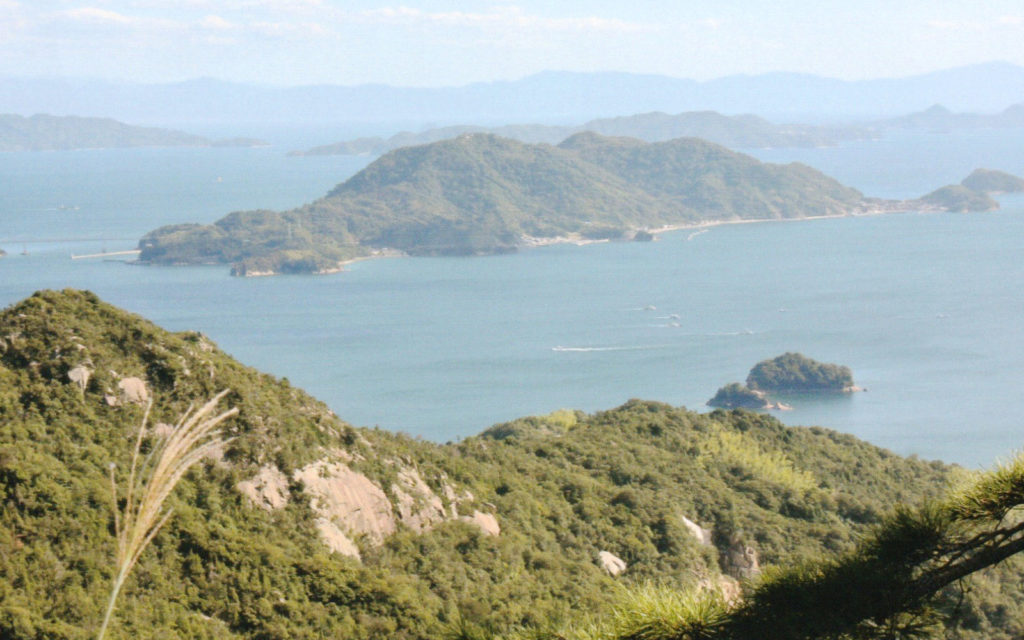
(304, 526)
(479, 194)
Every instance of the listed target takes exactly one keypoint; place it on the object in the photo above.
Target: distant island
(739, 396)
(974, 193)
(788, 373)
(483, 194)
(743, 132)
(940, 119)
(796, 373)
(480, 194)
(43, 132)
(961, 199)
(992, 181)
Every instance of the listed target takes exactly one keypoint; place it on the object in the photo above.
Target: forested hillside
(304, 526)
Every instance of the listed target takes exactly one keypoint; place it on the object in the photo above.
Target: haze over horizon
(425, 43)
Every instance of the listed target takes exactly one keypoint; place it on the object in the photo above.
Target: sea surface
(925, 308)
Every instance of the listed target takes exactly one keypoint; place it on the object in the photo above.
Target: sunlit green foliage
(732, 447)
(564, 488)
(892, 585)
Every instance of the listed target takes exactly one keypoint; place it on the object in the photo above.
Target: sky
(444, 43)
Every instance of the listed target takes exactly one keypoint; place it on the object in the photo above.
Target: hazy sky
(433, 43)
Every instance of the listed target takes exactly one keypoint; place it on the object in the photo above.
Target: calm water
(925, 308)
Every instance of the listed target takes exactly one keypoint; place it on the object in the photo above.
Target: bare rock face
(726, 586)
(486, 521)
(350, 507)
(611, 563)
(740, 560)
(702, 535)
(419, 508)
(133, 390)
(268, 490)
(336, 540)
(344, 496)
(80, 376)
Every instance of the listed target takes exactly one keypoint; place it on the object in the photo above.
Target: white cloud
(273, 6)
(95, 15)
(499, 18)
(216, 23)
(287, 29)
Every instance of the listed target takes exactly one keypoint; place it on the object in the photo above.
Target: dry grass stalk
(151, 481)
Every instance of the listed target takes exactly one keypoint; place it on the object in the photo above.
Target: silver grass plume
(152, 479)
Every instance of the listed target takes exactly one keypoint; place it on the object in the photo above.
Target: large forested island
(299, 525)
(745, 131)
(43, 132)
(481, 193)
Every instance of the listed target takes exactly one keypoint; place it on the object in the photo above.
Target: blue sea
(925, 308)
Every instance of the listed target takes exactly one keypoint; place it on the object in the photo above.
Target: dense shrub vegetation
(564, 488)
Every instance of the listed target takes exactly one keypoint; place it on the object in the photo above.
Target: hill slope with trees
(304, 526)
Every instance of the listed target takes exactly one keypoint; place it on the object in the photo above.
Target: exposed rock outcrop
(268, 490)
(80, 376)
(740, 560)
(340, 494)
(336, 540)
(486, 521)
(702, 535)
(611, 563)
(727, 586)
(351, 508)
(419, 508)
(133, 390)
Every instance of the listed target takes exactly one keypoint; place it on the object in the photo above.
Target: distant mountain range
(939, 118)
(742, 132)
(43, 132)
(553, 96)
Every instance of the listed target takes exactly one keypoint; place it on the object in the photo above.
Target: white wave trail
(626, 348)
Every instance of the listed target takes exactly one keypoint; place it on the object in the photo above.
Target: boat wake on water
(624, 348)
